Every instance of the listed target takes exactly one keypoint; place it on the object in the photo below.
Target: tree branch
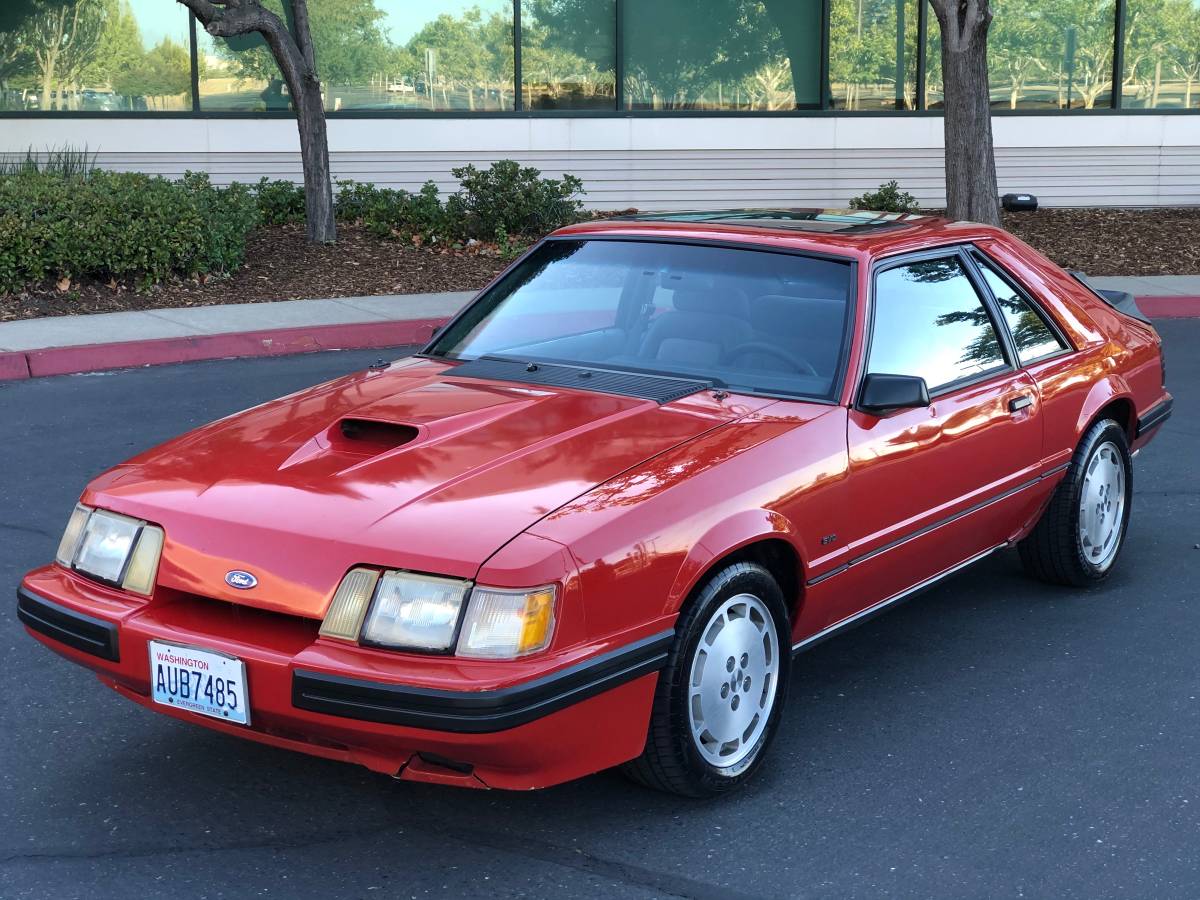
(302, 32)
(205, 11)
(293, 53)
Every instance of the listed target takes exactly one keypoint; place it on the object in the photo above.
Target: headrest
(783, 315)
(710, 300)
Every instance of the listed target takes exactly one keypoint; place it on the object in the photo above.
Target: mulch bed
(281, 266)
(1115, 241)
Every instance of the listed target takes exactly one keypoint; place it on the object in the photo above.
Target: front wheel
(1082, 530)
(720, 696)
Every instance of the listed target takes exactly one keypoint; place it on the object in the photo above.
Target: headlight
(112, 548)
(501, 624)
(415, 612)
(406, 611)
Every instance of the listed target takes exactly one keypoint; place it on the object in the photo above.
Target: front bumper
(517, 724)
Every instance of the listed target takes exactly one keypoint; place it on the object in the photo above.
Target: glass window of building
(1041, 55)
(715, 54)
(1162, 54)
(569, 54)
(873, 54)
(95, 56)
(378, 55)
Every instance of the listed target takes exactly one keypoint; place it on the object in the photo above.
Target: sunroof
(828, 221)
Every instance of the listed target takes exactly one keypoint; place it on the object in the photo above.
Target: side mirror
(886, 393)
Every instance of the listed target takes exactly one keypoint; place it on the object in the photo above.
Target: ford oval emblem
(241, 580)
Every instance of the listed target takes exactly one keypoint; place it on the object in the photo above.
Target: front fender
(728, 536)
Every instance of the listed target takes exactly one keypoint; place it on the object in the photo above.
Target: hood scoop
(350, 442)
(370, 437)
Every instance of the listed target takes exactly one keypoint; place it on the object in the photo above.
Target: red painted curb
(1170, 307)
(274, 342)
(13, 366)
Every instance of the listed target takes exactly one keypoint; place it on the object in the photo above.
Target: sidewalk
(63, 345)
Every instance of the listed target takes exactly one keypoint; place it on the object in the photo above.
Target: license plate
(200, 681)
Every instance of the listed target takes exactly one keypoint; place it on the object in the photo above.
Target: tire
(737, 707)
(1082, 530)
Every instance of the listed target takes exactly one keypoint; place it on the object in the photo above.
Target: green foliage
(65, 160)
(279, 202)
(348, 34)
(889, 198)
(165, 71)
(119, 225)
(61, 218)
(493, 205)
(513, 198)
(391, 213)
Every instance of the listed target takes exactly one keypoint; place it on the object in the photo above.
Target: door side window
(929, 321)
(1034, 338)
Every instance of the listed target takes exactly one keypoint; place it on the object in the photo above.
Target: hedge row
(504, 202)
(69, 223)
(119, 225)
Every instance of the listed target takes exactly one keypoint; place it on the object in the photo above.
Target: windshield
(747, 320)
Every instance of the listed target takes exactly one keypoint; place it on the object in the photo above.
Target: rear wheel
(720, 696)
(1080, 534)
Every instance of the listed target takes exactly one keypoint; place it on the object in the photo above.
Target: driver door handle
(1016, 404)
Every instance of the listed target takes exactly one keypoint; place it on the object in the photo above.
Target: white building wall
(672, 162)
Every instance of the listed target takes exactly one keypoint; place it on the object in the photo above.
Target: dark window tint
(929, 321)
(1033, 337)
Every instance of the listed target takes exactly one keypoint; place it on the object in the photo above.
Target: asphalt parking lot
(993, 737)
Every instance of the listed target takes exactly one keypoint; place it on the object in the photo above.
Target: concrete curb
(19, 365)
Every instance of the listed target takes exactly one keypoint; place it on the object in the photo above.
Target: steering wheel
(796, 362)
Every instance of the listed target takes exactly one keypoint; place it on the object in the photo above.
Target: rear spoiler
(1121, 301)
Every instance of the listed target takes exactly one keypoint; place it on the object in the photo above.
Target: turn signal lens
(69, 545)
(502, 624)
(345, 616)
(143, 565)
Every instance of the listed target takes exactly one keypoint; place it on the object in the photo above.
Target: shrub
(889, 198)
(512, 200)
(279, 202)
(386, 212)
(119, 225)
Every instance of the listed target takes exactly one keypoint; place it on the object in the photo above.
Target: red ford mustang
(593, 520)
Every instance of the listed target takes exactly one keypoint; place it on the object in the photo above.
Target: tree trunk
(47, 82)
(293, 53)
(305, 90)
(314, 152)
(970, 159)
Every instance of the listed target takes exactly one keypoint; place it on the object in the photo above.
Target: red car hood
(407, 467)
